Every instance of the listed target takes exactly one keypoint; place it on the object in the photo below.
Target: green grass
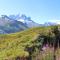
(13, 45)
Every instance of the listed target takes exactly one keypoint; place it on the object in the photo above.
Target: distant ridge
(15, 23)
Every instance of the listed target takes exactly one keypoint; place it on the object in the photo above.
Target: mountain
(49, 24)
(14, 17)
(24, 19)
(8, 25)
(30, 23)
(15, 23)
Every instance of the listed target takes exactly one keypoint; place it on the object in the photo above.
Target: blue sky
(39, 10)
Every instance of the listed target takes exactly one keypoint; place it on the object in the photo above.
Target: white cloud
(54, 21)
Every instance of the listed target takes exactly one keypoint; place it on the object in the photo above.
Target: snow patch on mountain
(21, 20)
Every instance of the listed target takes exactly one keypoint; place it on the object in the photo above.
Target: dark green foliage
(56, 32)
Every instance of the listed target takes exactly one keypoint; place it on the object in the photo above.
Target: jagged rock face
(8, 25)
(26, 20)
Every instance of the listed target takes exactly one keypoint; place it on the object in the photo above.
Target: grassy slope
(12, 45)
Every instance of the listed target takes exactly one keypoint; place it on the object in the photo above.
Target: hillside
(13, 45)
